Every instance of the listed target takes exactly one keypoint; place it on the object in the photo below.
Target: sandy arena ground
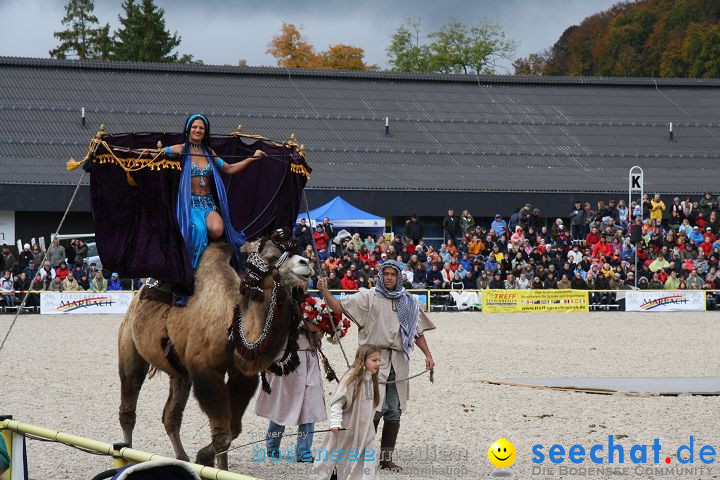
(60, 372)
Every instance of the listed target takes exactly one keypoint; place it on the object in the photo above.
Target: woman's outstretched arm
(230, 169)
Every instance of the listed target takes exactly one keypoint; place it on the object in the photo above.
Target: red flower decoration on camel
(316, 311)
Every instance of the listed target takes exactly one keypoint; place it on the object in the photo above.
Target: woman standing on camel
(198, 215)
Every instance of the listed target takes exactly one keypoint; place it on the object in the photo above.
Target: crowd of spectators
(677, 247)
(61, 268)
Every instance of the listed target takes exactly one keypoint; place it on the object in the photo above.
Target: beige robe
(357, 443)
(378, 324)
(296, 398)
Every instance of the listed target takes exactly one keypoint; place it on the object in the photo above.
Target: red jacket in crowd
(706, 247)
(62, 272)
(591, 239)
(348, 283)
(321, 240)
(602, 250)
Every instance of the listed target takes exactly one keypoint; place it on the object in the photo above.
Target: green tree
(450, 51)
(104, 43)
(405, 52)
(83, 37)
(456, 48)
(459, 49)
(142, 36)
(128, 38)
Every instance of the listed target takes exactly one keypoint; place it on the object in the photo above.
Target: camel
(191, 343)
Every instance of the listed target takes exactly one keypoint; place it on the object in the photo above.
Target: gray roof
(461, 133)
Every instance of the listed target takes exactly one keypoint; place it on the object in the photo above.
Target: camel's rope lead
(432, 377)
(284, 435)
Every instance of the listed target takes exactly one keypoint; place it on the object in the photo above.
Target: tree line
(455, 48)
(141, 37)
(647, 38)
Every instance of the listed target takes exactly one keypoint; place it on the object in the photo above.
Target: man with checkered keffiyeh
(389, 317)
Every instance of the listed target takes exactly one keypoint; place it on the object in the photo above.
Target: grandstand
(488, 144)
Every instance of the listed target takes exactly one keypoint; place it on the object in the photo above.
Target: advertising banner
(664, 301)
(58, 303)
(535, 301)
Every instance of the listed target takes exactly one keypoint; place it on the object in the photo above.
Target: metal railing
(434, 300)
(116, 451)
(439, 300)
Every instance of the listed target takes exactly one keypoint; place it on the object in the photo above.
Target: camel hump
(216, 255)
(219, 248)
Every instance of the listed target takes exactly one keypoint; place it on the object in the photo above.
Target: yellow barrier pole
(118, 461)
(7, 438)
(131, 454)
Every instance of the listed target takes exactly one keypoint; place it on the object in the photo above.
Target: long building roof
(447, 132)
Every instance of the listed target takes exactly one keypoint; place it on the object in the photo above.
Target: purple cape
(136, 227)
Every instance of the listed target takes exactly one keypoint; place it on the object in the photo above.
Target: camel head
(293, 270)
(266, 319)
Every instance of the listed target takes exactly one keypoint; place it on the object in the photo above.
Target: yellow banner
(535, 301)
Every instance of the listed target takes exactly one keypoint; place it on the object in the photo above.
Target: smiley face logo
(502, 453)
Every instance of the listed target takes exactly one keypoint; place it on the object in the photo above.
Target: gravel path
(60, 372)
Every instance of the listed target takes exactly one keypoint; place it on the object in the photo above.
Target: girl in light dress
(350, 454)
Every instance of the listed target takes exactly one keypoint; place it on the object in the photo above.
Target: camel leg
(241, 389)
(211, 393)
(132, 368)
(173, 413)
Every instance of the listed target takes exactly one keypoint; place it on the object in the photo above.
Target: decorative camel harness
(256, 270)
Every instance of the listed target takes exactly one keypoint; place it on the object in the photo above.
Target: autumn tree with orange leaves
(292, 50)
(646, 38)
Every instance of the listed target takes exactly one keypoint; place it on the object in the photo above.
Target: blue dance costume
(193, 210)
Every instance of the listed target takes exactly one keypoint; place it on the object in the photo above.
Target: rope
(148, 151)
(317, 261)
(432, 377)
(289, 435)
(57, 231)
(157, 158)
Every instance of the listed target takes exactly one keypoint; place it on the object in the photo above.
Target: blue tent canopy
(345, 215)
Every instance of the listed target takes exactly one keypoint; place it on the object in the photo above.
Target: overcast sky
(224, 31)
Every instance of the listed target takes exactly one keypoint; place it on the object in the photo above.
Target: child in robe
(350, 454)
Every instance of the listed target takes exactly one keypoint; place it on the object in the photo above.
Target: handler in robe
(295, 399)
(391, 318)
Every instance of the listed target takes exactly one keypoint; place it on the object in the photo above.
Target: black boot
(387, 445)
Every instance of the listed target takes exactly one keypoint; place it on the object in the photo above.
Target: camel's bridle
(257, 268)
